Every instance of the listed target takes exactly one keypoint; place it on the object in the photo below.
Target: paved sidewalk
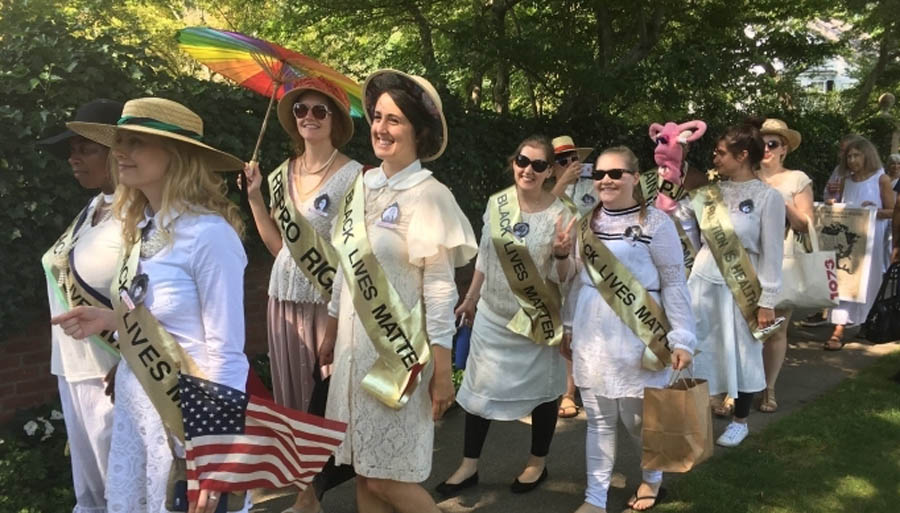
(808, 372)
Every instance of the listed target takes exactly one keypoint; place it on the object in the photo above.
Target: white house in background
(834, 73)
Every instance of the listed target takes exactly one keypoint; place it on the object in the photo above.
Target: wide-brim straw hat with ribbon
(164, 118)
(780, 128)
(342, 123)
(422, 91)
(100, 110)
(565, 144)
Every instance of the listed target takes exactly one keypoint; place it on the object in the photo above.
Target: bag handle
(789, 242)
(813, 235)
(679, 374)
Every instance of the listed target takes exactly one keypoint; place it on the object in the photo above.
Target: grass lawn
(841, 453)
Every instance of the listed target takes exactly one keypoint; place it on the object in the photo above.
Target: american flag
(235, 441)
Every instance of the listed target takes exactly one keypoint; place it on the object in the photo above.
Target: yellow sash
(63, 283)
(154, 356)
(688, 251)
(649, 185)
(539, 300)
(731, 257)
(397, 333)
(627, 297)
(314, 254)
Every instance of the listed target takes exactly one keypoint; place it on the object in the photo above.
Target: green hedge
(46, 72)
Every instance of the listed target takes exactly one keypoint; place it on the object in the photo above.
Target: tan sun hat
(778, 127)
(165, 118)
(421, 90)
(341, 132)
(564, 144)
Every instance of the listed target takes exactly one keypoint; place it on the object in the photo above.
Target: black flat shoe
(450, 490)
(520, 487)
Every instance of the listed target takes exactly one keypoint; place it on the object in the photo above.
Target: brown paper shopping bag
(677, 426)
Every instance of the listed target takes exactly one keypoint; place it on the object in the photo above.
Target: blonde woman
(188, 276)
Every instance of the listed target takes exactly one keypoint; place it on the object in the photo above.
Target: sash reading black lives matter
(314, 254)
(152, 353)
(731, 257)
(397, 333)
(627, 297)
(68, 288)
(538, 317)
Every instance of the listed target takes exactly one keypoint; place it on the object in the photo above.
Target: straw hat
(100, 110)
(341, 132)
(778, 127)
(564, 144)
(165, 118)
(417, 87)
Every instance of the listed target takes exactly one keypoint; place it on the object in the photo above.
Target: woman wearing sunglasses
(623, 240)
(512, 372)
(795, 188)
(731, 356)
(571, 183)
(304, 192)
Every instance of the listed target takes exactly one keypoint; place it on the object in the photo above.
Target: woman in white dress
(795, 188)
(730, 357)
(170, 199)
(89, 250)
(606, 353)
(865, 184)
(316, 115)
(508, 375)
(418, 235)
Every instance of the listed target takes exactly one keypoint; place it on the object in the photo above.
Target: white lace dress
(606, 354)
(428, 238)
(730, 357)
(196, 291)
(508, 375)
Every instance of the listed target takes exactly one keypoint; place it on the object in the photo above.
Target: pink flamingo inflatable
(669, 155)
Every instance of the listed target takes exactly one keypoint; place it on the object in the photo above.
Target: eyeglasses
(663, 139)
(319, 111)
(564, 158)
(772, 144)
(615, 174)
(539, 166)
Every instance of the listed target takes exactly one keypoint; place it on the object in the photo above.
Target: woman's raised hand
(254, 180)
(562, 243)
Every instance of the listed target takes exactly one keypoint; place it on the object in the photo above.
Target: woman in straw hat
(316, 115)
(190, 267)
(571, 183)
(511, 374)
(863, 183)
(795, 188)
(416, 234)
(87, 251)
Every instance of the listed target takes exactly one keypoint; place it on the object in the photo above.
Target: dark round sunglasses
(615, 174)
(772, 144)
(539, 166)
(564, 158)
(319, 111)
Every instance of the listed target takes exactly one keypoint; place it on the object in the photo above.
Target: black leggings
(331, 475)
(543, 424)
(742, 404)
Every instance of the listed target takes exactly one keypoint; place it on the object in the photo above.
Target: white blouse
(757, 213)
(606, 353)
(196, 291)
(95, 254)
(287, 282)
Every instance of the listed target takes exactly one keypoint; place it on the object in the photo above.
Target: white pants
(88, 416)
(603, 414)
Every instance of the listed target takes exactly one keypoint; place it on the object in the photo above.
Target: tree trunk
(888, 44)
(429, 61)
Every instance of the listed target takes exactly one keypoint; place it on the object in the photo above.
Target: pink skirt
(296, 331)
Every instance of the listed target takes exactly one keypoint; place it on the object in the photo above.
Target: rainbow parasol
(260, 66)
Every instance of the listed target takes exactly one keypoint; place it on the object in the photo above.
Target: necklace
(324, 166)
(322, 171)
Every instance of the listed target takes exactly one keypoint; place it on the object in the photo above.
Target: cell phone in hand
(764, 333)
(586, 170)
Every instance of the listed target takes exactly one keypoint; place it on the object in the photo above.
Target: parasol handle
(265, 122)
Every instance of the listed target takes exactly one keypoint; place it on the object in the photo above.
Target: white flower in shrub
(31, 427)
(56, 415)
(48, 428)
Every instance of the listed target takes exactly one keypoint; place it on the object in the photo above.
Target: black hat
(96, 111)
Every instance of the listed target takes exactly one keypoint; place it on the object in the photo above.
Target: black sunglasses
(565, 158)
(539, 166)
(615, 174)
(319, 111)
(773, 144)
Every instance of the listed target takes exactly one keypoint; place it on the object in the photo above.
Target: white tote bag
(808, 280)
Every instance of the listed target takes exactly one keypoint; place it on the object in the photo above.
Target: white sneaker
(734, 434)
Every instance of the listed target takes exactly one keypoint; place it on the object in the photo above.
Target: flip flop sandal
(568, 411)
(834, 344)
(768, 403)
(726, 409)
(660, 496)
